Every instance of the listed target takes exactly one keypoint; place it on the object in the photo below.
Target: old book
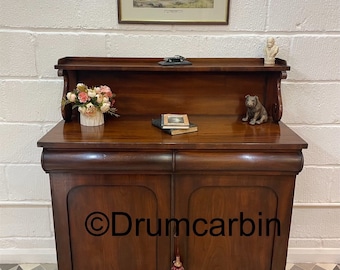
(192, 128)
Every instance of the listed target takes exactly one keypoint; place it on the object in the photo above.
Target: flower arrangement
(89, 101)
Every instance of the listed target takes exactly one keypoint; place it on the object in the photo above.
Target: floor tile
(295, 267)
(30, 266)
(316, 267)
(289, 266)
(8, 266)
(306, 266)
(52, 266)
(327, 266)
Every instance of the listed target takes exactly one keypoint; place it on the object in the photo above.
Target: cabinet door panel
(103, 228)
(233, 221)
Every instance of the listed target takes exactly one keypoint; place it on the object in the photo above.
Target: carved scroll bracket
(277, 106)
(69, 80)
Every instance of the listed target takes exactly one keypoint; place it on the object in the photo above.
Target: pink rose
(106, 91)
(83, 97)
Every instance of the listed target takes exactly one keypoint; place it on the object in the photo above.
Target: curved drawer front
(239, 161)
(162, 161)
(99, 160)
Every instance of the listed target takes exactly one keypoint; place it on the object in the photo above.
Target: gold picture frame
(173, 12)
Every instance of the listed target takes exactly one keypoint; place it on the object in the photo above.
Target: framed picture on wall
(173, 11)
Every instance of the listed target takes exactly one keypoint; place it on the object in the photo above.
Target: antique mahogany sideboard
(121, 191)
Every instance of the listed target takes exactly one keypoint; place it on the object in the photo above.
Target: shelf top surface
(151, 64)
(129, 133)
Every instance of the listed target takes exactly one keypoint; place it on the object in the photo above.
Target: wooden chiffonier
(121, 191)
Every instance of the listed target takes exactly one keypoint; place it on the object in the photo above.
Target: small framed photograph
(173, 12)
(174, 120)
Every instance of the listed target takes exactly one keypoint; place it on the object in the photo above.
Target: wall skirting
(313, 255)
(32, 255)
(48, 255)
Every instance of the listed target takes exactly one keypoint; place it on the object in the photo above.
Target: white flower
(92, 93)
(82, 110)
(106, 99)
(71, 96)
(105, 107)
(89, 106)
(99, 98)
(81, 87)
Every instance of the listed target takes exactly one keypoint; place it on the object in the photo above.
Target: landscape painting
(174, 3)
(173, 11)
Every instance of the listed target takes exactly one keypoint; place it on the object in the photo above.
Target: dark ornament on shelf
(176, 60)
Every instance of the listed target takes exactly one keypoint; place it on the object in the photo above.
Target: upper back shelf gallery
(74, 69)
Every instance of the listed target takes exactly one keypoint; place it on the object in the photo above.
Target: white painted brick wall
(304, 16)
(316, 98)
(21, 218)
(317, 185)
(27, 182)
(3, 185)
(35, 34)
(38, 92)
(17, 56)
(310, 52)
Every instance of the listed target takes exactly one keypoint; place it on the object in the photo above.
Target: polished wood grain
(151, 64)
(119, 197)
(133, 144)
(228, 170)
(76, 196)
(210, 86)
(214, 132)
(233, 198)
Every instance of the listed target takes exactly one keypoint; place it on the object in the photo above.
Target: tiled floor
(28, 267)
(299, 266)
(311, 266)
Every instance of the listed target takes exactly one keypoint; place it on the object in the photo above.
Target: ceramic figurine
(177, 264)
(256, 112)
(271, 51)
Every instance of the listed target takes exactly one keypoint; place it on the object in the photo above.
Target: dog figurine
(256, 113)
